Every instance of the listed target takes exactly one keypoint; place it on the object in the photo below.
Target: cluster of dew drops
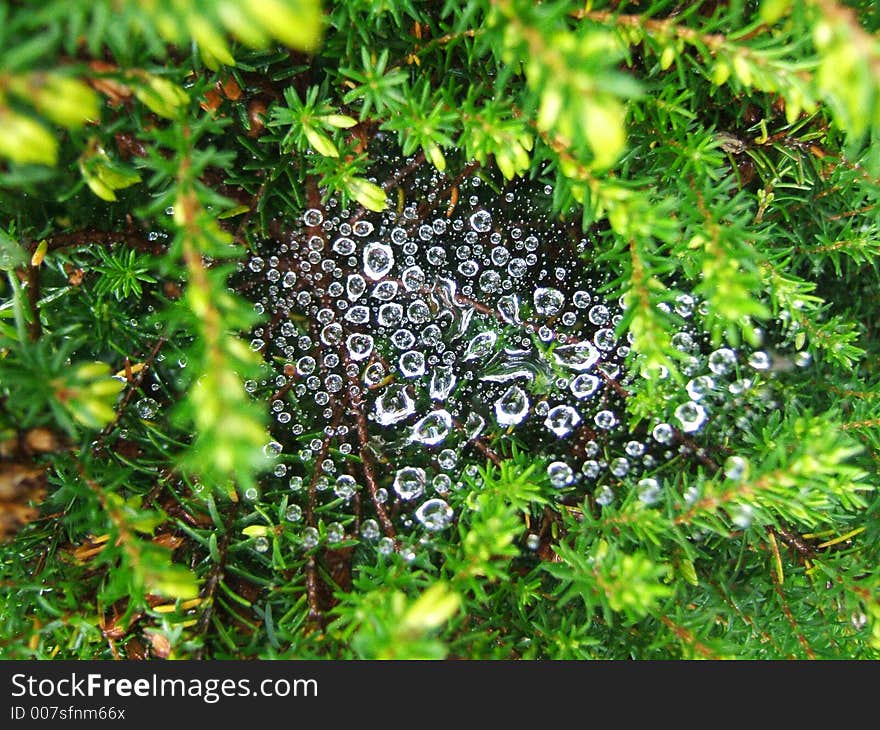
(448, 328)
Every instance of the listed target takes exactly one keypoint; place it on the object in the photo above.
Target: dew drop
(481, 221)
(378, 260)
(548, 301)
(409, 482)
(648, 490)
(370, 529)
(273, 449)
(561, 420)
(432, 428)
(393, 405)
(560, 474)
(412, 364)
(310, 538)
(662, 433)
(443, 380)
(722, 361)
(146, 407)
(385, 546)
(313, 217)
(359, 346)
(435, 514)
(691, 416)
(480, 346)
(736, 468)
(579, 356)
(511, 408)
(584, 385)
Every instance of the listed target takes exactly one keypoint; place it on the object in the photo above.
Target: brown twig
(33, 294)
(78, 239)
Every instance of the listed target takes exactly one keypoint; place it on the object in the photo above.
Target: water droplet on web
(384, 291)
(146, 408)
(390, 315)
(409, 482)
(442, 483)
(432, 429)
(443, 380)
(393, 405)
(736, 468)
(663, 433)
(310, 538)
(648, 490)
(412, 364)
(584, 385)
(699, 386)
(548, 301)
(293, 513)
(335, 532)
(605, 419)
(362, 228)
(434, 514)
(344, 246)
(561, 420)
(272, 449)
(413, 278)
(355, 286)
(722, 361)
(345, 486)
(481, 221)
(691, 416)
(359, 346)
(759, 360)
(599, 314)
(604, 495)
(378, 260)
(385, 546)
(579, 356)
(560, 474)
(313, 217)
(512, 407)
(480, 346)
(619, 467)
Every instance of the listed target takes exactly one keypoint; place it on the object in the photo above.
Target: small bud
(773, 10)
(241, 25)
(551, 105)
(321, 143)
(66, 101)
(161, 96)
(296, 24)
(256, 530)
(433, 608)
(212, 45)
(435, 154)
(40, 253)
(340, 121)
(368, 194)
(605, 130)
(720, 73)
(24, 140)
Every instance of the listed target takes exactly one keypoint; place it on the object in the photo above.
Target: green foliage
(713, 169)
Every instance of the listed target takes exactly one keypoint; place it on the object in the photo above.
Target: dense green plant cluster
(655, 432)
